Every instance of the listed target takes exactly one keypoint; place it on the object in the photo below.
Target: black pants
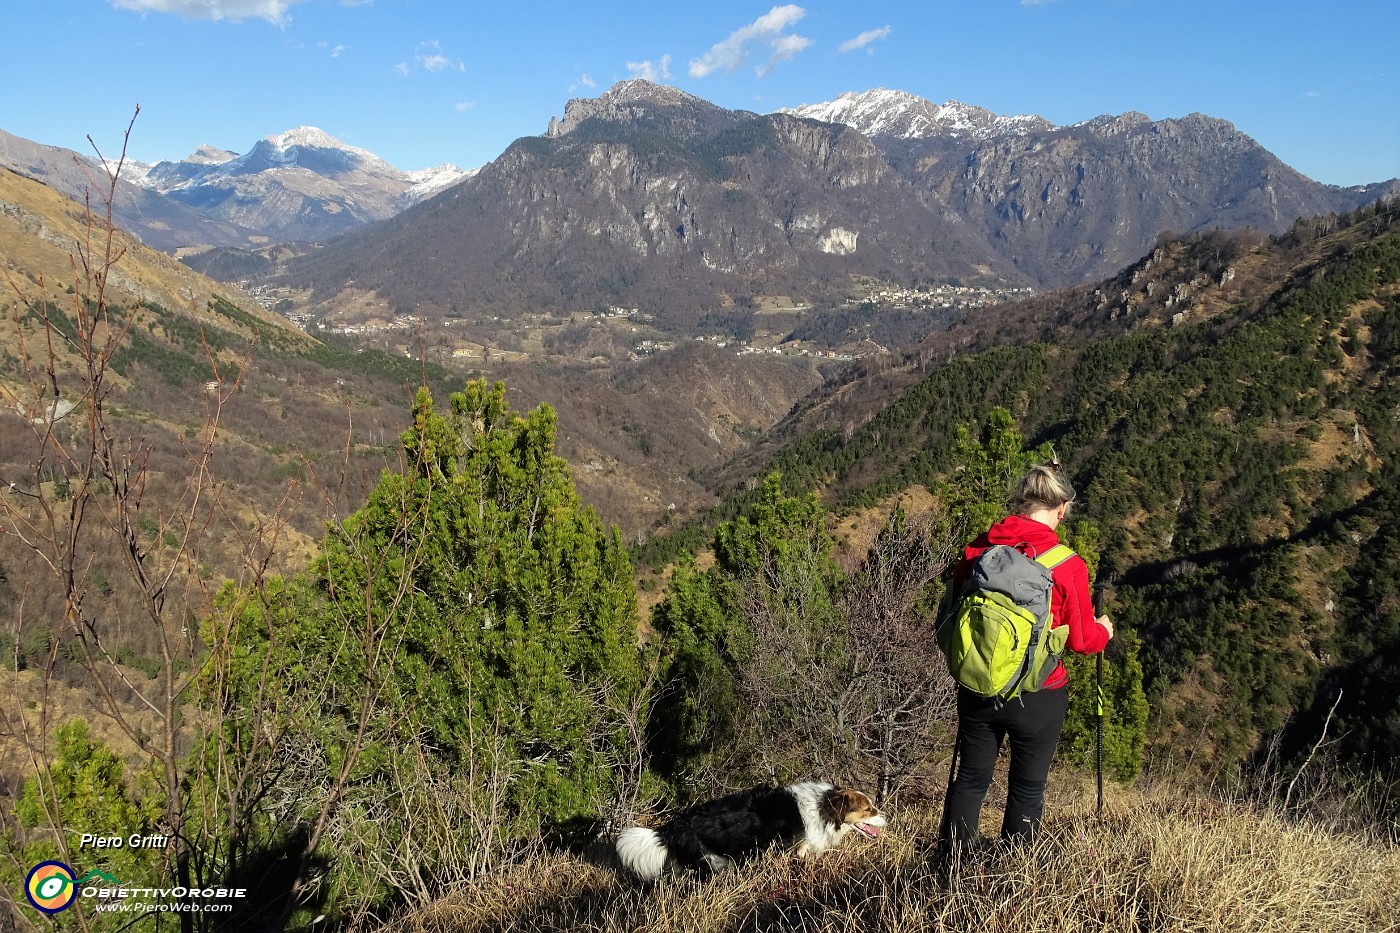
(1033, 722)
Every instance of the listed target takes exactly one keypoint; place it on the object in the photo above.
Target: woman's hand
(1107, 623)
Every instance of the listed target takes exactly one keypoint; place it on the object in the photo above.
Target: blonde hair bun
(1043, 487)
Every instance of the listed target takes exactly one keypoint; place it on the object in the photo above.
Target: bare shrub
(84, 502)
(901, 703)
(838, 676)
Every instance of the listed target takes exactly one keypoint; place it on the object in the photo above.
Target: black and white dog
(710, 836)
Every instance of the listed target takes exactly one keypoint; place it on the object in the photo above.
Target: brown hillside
(44, 235)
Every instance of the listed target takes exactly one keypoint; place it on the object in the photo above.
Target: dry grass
(1160, 860)
(42, 233)
(31, 708)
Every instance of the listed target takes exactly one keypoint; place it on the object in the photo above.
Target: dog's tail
(642, 852)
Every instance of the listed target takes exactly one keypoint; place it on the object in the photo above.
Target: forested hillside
(1240, 461)
(455, 670)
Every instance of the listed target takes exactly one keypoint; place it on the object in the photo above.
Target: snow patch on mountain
(884, 112)
(130, 170)
(427, 182)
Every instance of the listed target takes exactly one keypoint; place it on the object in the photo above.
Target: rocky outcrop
(641, 102)
(647, 196)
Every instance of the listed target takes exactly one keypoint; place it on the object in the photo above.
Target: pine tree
(86, 789)
(749, 644)
(525, 609)
(459, 663)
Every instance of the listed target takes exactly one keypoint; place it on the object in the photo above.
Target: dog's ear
(843, 800)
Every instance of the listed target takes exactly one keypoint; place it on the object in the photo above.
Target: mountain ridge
(972, 195)
(647, 196)
(300, 184)
(886, 112)
(157, 221)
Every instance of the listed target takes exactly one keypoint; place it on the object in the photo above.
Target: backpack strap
(1051, 559)
(1054, 557)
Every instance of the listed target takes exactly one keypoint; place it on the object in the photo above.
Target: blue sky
(421, 82)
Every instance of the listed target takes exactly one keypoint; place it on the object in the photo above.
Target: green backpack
(997, 636)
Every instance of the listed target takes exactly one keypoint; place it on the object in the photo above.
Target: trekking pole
(943, 827)
(1100, 594)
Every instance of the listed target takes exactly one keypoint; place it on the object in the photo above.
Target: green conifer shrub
(458, 670)
(86, 789)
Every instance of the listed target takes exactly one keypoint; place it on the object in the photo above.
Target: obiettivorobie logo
(51, 886)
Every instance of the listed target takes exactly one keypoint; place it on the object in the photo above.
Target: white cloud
(431, 56)
(586, 81)
(863, 40)
(274, 11)
(464, 106)
(334, 50)
(401, 69)
(784, 47)
(649, 71)
(732, 52)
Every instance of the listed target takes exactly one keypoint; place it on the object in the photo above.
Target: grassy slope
(43, 236)
(1161, 860)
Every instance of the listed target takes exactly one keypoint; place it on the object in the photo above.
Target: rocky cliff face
(1062, 205)
(638, 103)
(647, 196)
(1075, 203)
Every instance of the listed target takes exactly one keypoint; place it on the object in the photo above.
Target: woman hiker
(1031, 720)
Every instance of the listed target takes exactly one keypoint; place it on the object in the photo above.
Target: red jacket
(1070, 602)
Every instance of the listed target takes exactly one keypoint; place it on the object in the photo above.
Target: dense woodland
(455, 666)
(1241, 469)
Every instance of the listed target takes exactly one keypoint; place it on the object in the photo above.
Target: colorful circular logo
(50, 887)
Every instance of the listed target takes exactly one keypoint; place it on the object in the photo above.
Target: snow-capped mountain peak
(306, 136)
(210, 155)
(310, 148)
(303, 183)
(426, 182)
(884, 112)
(310, 137)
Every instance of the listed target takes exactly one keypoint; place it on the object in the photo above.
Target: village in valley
(481, 339)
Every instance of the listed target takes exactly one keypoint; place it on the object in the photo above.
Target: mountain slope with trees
(650, 197)
(1240, 460)
(455, 669)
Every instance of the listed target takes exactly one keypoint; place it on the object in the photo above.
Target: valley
(873, 317)
(631, 465)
